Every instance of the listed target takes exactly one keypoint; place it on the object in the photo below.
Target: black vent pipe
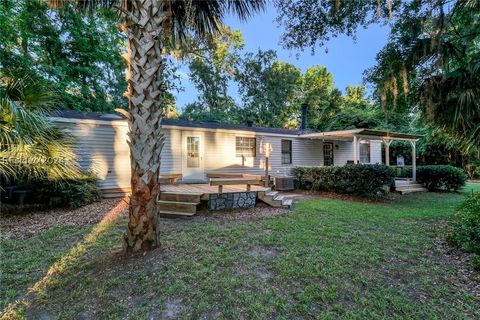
(304, 117)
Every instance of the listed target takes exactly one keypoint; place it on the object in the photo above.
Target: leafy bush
(402, 172)
(362, 179)
(466, 226)
(441, 177)
(71, 193)
(43, 193)
(472, 170)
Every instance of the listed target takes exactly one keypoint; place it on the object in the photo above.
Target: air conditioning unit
(284, 183)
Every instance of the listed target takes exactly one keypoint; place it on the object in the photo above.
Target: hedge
(441, 177)
(465, 231)
(72, 193)
(362, 179)
(44, 193)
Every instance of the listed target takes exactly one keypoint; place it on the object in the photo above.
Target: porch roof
(368, 133)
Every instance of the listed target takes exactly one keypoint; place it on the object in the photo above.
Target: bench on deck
(169, 178)
(214, 175)
(220, 182)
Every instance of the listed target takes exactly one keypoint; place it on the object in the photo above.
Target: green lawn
(324, 259)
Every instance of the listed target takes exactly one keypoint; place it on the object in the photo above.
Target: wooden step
(164, 213)
(270, 200)
(412, 190)
(180, 197)
(271, 193)
(180, 207)
(408, 186)
(287, 203)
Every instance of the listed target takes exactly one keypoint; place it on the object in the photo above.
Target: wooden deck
(183, 199)
(205, 189)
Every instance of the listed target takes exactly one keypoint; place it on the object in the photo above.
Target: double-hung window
(286, 151)
(245, 146)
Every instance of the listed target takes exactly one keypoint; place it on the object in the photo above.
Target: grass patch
(327, 258)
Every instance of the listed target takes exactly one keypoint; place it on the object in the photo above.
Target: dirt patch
(210, 315)
(466, 278)
(263, 253)
(27, 225)
(260, 211)
(172, 309)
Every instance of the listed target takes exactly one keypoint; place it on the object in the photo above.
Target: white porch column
(387, 143)
(355, 150)
(414, 160)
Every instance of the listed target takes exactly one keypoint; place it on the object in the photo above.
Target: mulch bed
(466, 277)
(26, 225)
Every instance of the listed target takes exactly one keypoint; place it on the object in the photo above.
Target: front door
(328, 154)
(192, 154)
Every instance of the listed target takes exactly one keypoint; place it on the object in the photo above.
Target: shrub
(43, 193)
(441, 177)
(472, 170)
(72, 193)
(362, 179)
(465, 231)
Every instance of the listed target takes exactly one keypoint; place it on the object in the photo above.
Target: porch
(364, 136)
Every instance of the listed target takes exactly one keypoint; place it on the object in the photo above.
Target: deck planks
(204, 188)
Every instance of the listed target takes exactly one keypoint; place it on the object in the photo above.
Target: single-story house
(194, 149)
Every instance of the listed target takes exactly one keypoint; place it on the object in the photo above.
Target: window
(364, 152)
(245, 146)
(193, 154)
(328, 154)
(286, 151)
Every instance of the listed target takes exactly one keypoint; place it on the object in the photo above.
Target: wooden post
(248, 188)
(220, 189)
(387, 143)
(414, 160)
(355, 150)
(266, 172)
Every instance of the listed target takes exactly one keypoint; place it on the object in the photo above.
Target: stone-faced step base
(232, 200)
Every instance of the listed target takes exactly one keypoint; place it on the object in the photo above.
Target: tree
(356, 111)
(432, 62)
(212, 68)
(268, 89)
(311, 23)
(432, 57)
(78, 56)
(317, 92)
(30, 144)
(152, 29)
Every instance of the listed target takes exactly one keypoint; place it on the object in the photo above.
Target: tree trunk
(143, 24)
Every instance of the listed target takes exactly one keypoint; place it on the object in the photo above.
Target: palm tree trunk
(143, 24)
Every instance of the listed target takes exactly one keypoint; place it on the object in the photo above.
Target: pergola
(358, 135)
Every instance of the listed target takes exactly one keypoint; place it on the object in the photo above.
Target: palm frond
(30, 145)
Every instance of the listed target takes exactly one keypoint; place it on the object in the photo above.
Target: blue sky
(346, 59)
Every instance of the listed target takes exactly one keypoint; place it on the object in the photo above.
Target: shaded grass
(325, 259)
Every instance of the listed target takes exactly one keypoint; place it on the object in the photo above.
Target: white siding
(103, 149)
(343, 153)
(375, 152)
(171, 161)
(220, 155)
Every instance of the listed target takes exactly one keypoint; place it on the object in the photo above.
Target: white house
(194, 149)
